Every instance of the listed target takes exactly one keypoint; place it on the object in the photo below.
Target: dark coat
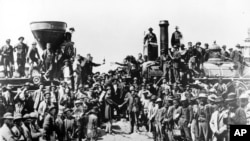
(133, 103)
(48, 126)
(109, 108)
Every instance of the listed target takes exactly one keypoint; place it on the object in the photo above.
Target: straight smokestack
(164, 35)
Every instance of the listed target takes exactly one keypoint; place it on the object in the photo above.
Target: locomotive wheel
(36, 80)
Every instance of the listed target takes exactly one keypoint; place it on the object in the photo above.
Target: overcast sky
(115, 28)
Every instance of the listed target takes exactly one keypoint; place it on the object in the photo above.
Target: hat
(78, 102)
(46, 92)
(66, 60)
(94, 110)
(9, 87)
(150, 29)
(244, 96)
(34, 115)
(72, 28)
(212, 97)
(237, 45)
(224, 46)
(183, 98)
(202, 95)
(21, 38)
(153, 98)
(34, 43)
(219, 99)
(198, 43)
(158, 100)
(170, 98)
(163, 50)
(17, 116)
(27, 84)
(67, 109)
(8, 115)
(51, 108)
(231, 97)
(26, 116)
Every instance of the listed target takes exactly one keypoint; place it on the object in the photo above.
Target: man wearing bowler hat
(22, 50)
(5, 131)
(7, 58)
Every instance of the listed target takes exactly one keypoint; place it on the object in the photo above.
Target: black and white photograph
(124, 70)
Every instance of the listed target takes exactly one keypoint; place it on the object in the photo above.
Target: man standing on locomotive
(48, 60)
(7, 57)
(238, 59)
(34, 57)
(22, 50)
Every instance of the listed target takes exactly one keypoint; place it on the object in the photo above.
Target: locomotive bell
(48, 32)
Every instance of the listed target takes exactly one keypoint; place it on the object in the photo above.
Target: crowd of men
(169, 108)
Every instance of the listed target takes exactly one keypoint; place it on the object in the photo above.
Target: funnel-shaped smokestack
(164, 35)
(48, 32)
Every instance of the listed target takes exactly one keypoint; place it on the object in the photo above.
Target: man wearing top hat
(176, 37)
(5, 131)
(22, 50)
(7, 58)
(238, 59)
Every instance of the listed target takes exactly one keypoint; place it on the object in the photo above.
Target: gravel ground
(121, 129)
